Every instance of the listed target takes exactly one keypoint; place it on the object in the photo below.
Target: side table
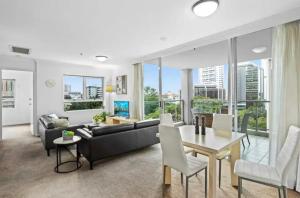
(60, 143)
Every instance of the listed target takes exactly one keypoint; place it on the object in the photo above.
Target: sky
(76, 82)
(171, 80)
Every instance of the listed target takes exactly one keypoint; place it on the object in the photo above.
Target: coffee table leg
(77, 156)
(56, 159)
(59, 154)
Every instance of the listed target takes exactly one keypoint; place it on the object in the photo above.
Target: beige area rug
(27, 172)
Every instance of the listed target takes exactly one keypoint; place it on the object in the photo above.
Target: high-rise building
(250, 80)
(94, 92)
(67, 88)
(209, 91)
(211, 82)
(212, 75)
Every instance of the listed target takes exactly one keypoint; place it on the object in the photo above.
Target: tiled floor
(258, 151)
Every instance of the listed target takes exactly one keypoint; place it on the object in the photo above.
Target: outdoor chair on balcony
(244, 127)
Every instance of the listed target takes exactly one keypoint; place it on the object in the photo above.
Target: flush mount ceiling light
(259, 50)
(101, 58)
(204, 8)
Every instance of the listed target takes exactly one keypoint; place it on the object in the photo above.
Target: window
(8, 93)
(151, 90)
(81, 92)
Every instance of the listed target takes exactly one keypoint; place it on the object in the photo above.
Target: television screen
(121, 108)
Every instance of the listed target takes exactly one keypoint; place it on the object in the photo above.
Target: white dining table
(210, 145)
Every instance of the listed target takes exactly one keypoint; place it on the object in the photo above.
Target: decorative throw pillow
(60, 122)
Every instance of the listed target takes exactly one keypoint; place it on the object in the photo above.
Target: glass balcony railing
(151, 109)
(175, 107)
(258, 111)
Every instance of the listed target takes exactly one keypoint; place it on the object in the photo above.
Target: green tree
(207, 105)
(151, 99)
(257, 112)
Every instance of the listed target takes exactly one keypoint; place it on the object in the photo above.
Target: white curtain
(285, 93)
(138, 91)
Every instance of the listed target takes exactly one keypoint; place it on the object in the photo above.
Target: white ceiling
(123, 30)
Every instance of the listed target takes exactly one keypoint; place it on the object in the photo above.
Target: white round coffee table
(61, 143)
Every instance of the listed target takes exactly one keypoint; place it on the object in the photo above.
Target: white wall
(21, 114)
(50, 100)
(123, 70)
(22, 64)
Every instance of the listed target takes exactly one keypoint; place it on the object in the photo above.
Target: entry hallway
(27, 172)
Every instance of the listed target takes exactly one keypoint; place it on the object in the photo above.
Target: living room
(118, 93)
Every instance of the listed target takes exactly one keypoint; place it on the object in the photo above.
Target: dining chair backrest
(222, 122)
(166, 118)
(289, 151)
(172, 148)
(244, 124)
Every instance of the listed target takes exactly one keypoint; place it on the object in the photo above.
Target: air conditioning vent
(20, 50)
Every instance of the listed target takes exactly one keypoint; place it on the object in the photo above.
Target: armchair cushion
(257, 172)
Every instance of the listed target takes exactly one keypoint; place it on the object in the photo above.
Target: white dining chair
(166, 119)
(175, 157)
(222, 123)
(269, 175)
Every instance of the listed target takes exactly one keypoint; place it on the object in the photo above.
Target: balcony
(259, 112)
(175, 107)
(257, 109)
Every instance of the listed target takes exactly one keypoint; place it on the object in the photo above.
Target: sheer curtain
(285, 93)
(138, 91)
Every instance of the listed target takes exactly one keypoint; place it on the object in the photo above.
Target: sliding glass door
(162, 90)
(171, 92)
(151, 90)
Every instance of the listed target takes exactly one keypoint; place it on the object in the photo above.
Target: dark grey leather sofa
(48, 132)
(103, 142)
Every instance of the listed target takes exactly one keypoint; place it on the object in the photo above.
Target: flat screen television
(121, 108)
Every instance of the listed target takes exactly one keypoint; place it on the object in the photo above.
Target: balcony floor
(258, 151)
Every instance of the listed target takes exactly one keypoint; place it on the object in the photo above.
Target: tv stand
(119, 120)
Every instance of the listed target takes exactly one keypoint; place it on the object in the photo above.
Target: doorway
(17, 104)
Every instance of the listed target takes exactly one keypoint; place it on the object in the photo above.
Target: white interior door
(20, 110)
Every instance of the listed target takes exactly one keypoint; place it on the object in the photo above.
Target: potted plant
(100, 117)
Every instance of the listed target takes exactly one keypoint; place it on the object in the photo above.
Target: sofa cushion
(146, 123)
(104, 130)
(47, 121)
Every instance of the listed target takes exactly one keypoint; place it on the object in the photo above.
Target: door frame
(17, 66)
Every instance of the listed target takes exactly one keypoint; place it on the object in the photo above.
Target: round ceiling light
(101, 58)
(259, 50)
(204, 8)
